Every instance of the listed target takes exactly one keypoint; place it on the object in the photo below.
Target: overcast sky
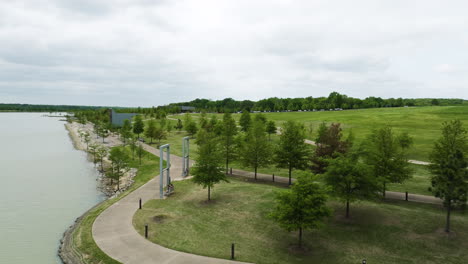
(154, 52)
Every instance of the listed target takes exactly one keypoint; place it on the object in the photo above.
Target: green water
(44, 185)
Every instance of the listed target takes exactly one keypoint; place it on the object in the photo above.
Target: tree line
(333, 101)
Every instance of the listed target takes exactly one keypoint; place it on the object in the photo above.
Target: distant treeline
(45, 108)
(333, 101)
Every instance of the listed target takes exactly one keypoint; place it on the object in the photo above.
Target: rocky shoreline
(67, 251)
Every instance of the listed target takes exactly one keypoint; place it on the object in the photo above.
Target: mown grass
(82, 236)
(381, 232)
(422, 123)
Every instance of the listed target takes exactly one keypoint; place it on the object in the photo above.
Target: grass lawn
(381, 232)
(82, 236)
(418, 184)
(423, 123)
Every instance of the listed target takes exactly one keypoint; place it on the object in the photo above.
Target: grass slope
(391, 232)
(82, 236)
(423, 123)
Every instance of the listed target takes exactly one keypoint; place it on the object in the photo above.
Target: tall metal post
(163, 169)
(185, 156)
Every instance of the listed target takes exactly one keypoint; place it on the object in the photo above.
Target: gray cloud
(132, 53)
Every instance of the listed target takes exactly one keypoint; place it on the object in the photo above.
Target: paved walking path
(114, 233)
(388, 194)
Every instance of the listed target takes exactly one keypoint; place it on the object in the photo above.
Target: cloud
(132, 53)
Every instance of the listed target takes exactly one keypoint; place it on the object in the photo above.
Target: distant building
(117, 119)
(187, 108)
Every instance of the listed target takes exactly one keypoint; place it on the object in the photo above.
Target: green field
(422, 123)
(381, 232)
(82, 236)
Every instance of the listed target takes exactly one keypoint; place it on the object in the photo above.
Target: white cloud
(156, 52)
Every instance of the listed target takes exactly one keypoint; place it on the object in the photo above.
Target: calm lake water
(45, 184)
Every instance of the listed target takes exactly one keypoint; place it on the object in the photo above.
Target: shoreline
(66, 250)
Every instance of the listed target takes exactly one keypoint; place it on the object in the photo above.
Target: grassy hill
(422, 123)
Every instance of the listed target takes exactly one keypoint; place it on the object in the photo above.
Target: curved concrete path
(114, 233)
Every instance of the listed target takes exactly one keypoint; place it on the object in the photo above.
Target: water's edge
(66, 251)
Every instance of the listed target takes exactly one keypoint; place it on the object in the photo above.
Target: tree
(292, 152)
(93, 150)
(179, 125)
(387, 156)
(101, 153)
(140, 152)
(256, 148)
(150, 130)
(328, 146)
(126, 130)
(169, 127)
(245, 120)
(133, 146)
(209, 162)
(228, 132)
(87, 139)
(270, 128)
(102, 130)
(159, 134)
(138, 126)
(301, 207)
(119, 160)
(350, 179)
(449, 167)
(191, 128)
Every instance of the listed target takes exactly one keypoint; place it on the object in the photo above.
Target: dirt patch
(301, 251)
(441, 232)
(160, 218)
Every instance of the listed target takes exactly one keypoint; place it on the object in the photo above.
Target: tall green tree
(138, 126)
(256, 150)
(101, 153)
(270, 128)
(140, 152)
(329, 144)
(159, 134)
(87, 139)
(207, 170)
(292, 152)
(190, 125)
(228, 133)
(387, 156)
(301, 207)
(179, 125)
(245, 120)
(150, 130)
(350, 179)
(449, 167)
(119, 160)
(126, 130)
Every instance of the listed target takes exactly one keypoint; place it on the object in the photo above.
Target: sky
(149, 53)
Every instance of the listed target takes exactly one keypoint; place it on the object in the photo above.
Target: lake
(45, 184)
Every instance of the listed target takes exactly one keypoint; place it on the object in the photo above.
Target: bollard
(273, 177)
(232, 251)
(231, 171)
(146, 230)
(406, 196)
(140, 203)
